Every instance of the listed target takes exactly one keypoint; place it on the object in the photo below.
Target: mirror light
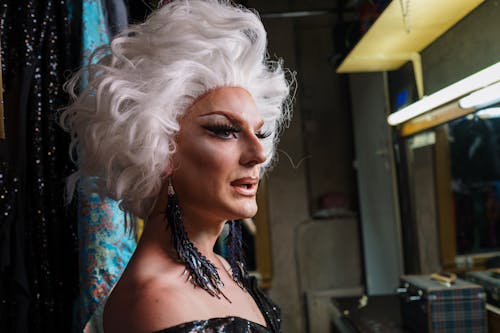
(489, 113)
(481, 98)
(471, 83)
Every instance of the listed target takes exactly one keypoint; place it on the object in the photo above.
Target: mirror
(453, 177)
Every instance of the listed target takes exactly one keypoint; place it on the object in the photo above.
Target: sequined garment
(218, 325)
(38, 271)
(236, 324)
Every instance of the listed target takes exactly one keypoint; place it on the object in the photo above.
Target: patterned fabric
(462, 311)
(105, 249)
(269, 310)
(94, 30)
(460, 308)
(105, 246)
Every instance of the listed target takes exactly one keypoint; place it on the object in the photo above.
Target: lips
(246, 186)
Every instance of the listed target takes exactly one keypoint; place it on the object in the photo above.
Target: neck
(203, 233)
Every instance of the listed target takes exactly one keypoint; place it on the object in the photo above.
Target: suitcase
(490, 281)
(436, 304)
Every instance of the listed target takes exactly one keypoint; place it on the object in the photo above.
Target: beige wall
(324, 101)
(287, 193)
(320, 131)
(471, 45)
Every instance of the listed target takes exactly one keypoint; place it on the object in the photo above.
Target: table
(382, 314)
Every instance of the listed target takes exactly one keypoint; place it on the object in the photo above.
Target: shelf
(388, 44)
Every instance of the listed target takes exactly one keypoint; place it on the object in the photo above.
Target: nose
(253, 152)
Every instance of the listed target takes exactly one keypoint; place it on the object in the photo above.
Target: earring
(201, 272)
(234, 242)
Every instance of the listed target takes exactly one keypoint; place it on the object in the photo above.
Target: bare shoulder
(148, 305)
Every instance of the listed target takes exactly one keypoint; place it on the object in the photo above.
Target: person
(179, 121)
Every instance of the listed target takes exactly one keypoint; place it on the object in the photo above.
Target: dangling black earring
(201, 272)
(236, 260)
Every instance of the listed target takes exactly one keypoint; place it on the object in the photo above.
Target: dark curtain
(138, 11)
(40, 48)
(38, 258)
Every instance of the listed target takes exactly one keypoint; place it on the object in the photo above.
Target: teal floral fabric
(106, 248)
(104, 245)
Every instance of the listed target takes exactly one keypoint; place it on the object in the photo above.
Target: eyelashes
(225, 131)
(263, 135)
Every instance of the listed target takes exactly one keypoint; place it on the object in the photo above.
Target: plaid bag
(429, 306)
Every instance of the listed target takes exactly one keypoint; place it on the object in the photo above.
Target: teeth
(246, 186)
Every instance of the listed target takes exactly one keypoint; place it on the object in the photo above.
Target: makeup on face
(224, 126)
(219, 154)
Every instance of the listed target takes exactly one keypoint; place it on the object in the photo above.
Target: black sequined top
(236, 324)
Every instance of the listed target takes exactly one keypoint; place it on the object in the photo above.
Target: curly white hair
(123, 125)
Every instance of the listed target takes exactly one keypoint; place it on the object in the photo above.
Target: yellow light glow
(381, 47)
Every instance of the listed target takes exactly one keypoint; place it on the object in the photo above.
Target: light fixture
(481, 98)
(489, 113)
(471, 83)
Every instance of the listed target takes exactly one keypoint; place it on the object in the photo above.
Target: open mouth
(245, 187)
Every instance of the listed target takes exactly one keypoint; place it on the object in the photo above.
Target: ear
(168, 170)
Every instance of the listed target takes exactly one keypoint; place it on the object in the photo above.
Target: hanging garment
(105, 249)
(116, 15)
(38, 265)
(104, 245)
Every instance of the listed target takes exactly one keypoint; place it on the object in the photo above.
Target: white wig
(123, 125)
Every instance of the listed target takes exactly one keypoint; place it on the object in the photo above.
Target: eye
(223, 131)
(263, 135)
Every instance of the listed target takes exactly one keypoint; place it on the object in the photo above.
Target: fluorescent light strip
(476, 81)
(481, 98)
(489, 113)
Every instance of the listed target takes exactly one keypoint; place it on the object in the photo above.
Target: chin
(250, 212)
(243, 211)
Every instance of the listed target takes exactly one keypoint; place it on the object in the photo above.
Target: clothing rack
(2, 127)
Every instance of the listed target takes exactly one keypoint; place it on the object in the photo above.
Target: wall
(325, 111)
(315, 153)
(287, 192)
(471, 45)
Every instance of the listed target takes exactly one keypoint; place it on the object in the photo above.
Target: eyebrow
(233, 120)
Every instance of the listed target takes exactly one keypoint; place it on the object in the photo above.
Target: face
(218, 156)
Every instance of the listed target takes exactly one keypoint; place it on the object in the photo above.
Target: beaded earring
(236, 260)
(201, 272)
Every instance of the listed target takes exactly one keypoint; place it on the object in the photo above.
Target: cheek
(205, 158)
